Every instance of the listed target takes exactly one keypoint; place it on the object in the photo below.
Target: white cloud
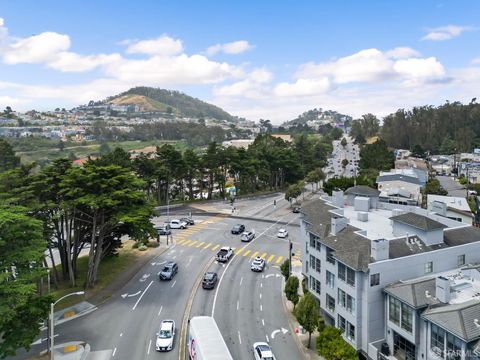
(252, 87)
(428, 68)
(181, 69)
(164, 45)
(36, 49)
(402, 53)
(71, 62)
(445, 32)
(236, 47)
(476, 61)
(303, 87)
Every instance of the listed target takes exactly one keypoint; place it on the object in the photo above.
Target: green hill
(161, 100)
(318, 114)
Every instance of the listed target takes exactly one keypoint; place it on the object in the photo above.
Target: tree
(61, 146)
(418, 151)
(22, 304)
(315, 176)
(336, 133)
(433, 187)
(376, 156)
(331, 346)
(344, 142)
(8, 159)
(344, 163)
(285, 269)
(293, 191)
(104, 149)
(291, 289)
(307, 314)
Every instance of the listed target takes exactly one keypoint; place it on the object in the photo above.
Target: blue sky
(257, 59)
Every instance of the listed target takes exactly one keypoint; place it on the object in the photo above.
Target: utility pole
(168, 202)
(289, 256)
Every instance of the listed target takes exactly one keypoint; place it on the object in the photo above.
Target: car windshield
(167, 269)
(236, 227)
(208, 276)
(164, 334)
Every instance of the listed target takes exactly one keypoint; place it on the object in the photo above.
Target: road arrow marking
(144, 277)
(267, 276)
(275, 332)
(158, 263)
(131, 295)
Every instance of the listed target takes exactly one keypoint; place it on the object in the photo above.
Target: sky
(255, 59)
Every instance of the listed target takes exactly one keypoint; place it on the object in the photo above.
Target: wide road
(247, 306)
(350, 152)
(125, 326)
(453, 188)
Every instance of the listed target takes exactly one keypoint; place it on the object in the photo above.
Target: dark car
(168, 271)
(238, 229)
(188, 220)
(296, 209)
(209, 280)
(163, 229)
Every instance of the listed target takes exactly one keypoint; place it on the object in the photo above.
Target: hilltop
(161, 100)
(318, 116)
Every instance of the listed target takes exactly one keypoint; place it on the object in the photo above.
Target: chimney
(338, 224)
(380, 249)
(337, 198)
(442, 289)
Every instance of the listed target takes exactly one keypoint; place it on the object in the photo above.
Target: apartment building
(356, 247)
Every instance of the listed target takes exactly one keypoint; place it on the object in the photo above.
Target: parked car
(188, 220)
(238, 229)
(178, 224)
(258, 264)
(224, 254)
(282, 233)
(247, 236)
(169, 271)
(163, 229)
(166, 336)
(262, 351)
(296, 209)
(209, 280)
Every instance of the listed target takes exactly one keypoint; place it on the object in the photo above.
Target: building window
(318, 245)
(315, 263)
(342, 323)
(394, 310)
(312, 241)
(315, 285)
(330, 303)
(330, 256)
(346, 274)
(407, 318)
(437, 339)
(350, 331)
(350, 304)
(428, 267)
(374, 279)
(342, 298)
(454, 347)
(460, 260)
(312, 261)
(330, 280)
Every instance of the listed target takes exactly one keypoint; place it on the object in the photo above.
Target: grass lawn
(110, 268)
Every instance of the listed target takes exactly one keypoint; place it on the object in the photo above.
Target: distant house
(455, 208)
(400, 187)
(240, 143)
(284, 137)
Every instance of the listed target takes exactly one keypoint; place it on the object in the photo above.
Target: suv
(168, 271)
(209, 280)
(188, 220)
(258, 264)
(178, 224)
(166, 336)
(248, 236)
(224, 254)
(263, 351)
(163, 229)
(238, 229)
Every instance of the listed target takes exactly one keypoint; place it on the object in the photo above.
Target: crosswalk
(269, 258)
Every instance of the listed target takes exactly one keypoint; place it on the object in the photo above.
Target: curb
(186, 315)
(290, 324)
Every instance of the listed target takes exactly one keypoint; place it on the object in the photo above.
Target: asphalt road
(247, 306)
(125, 326)
(453, 187)
(350, 152)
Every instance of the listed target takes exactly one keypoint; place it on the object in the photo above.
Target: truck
(224, 254)
(205, 342)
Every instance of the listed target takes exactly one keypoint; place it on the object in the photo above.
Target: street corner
(73, 312)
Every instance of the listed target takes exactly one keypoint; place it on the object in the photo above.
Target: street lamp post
(52, 306)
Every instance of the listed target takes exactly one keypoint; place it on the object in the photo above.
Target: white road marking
(121, 334)
(268, 340)
(114, 351)
(144, 277)
(261, 285)
(230, 262)
(241, 280)
(261, 307)
(174, 283)
(159, 311)
(239, 338)
(141, 296)
(238, 304)
(260, 296)
(149, 346)
(263, 322)
(174, 257)
(266, 277)
(130, 295)
(159, 273)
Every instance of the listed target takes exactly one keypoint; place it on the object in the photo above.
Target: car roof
(167, 324)
(210, 274)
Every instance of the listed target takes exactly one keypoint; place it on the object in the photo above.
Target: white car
(247, 236)
(178, 224)
(166, 336)
(282, 233)
(262, 351)
(258, 264)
